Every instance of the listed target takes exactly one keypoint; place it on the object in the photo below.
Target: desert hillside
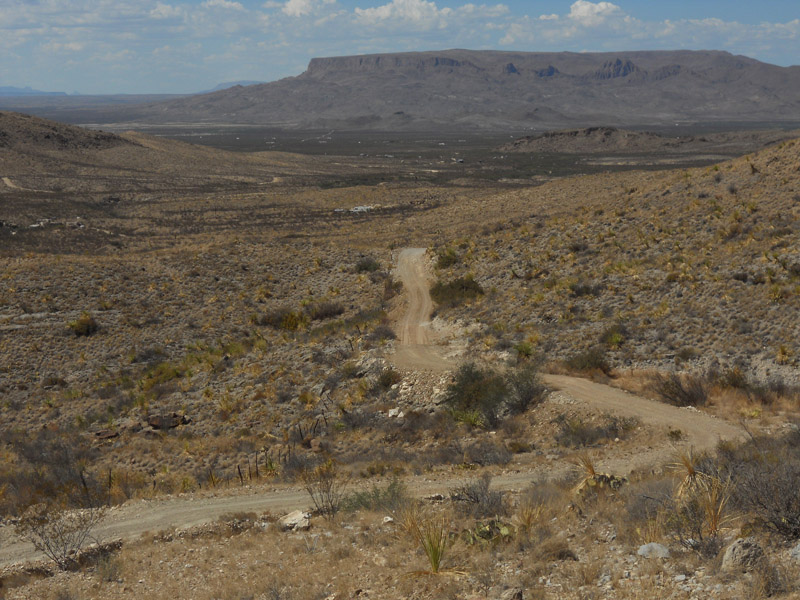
(195, 342)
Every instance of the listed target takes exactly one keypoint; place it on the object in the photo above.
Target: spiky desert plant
(429, 531)
(528, 514)
(713, 501)
(585, 467)
(692, 478)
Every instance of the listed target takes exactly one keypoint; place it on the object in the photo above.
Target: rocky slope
(611, 140)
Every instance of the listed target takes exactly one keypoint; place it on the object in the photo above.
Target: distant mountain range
(230, 84)
(6, 90)
(489, 89)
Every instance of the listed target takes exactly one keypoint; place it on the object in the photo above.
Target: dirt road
(415, 351)
(699, 430)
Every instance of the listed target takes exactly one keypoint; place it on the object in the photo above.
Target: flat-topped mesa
(386, 63)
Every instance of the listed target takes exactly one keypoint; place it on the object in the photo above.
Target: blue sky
(178, 46)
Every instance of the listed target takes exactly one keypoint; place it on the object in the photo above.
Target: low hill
(488, 89)
(19, 131)
(610, 140)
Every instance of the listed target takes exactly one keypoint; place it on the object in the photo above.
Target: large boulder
(653, 550)
(744, 554)
(794, 553)
(297, 520)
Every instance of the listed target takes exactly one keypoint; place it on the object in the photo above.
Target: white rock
(297, 520)
(388, 520)
(653, 550)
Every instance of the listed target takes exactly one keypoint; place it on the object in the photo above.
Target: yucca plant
(430, 532)
(714, 503)
(693, 479)
(528, 514)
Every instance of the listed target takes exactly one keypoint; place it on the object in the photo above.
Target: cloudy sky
(178, 46)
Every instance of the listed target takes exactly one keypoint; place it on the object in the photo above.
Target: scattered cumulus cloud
(414, 11)
(591, 14)
(300, 8)
(145, 44)
(223, 4)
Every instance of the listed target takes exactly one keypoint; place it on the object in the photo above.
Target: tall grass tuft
(430, 532)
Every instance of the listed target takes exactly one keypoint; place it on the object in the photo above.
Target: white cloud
(419, 12)
(224, 4)
(165, 11)
(548, 17)
(590, 14)
(301, 8)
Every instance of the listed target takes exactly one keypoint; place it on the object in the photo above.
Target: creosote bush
(455, 292)
(327, 488)
(84, 326)
(687, 390)
(480, 396)
(391, 498)
(476, 395)
(593, 359)
(367, 264)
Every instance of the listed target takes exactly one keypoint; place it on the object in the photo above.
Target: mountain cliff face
(487, 89)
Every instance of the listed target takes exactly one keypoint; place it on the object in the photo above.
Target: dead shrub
(327, 487)
(475, 499)
(59, 533)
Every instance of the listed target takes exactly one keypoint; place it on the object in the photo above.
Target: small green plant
(84, 326)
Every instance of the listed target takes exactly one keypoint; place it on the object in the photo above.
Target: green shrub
(525, 389)
(477, 390)
(593, 359)
(324, 310)
(613, 336)
(367, 264)
(390, 498)
(284, 318)
(84, 326)
(388, 378)
(689, 390)
(447, 257)
(456, 292)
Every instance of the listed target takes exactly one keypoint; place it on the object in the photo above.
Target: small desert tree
(327, 488)
(57, 532)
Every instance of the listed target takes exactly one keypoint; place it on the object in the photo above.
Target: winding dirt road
(700, 430)
(415, 352)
